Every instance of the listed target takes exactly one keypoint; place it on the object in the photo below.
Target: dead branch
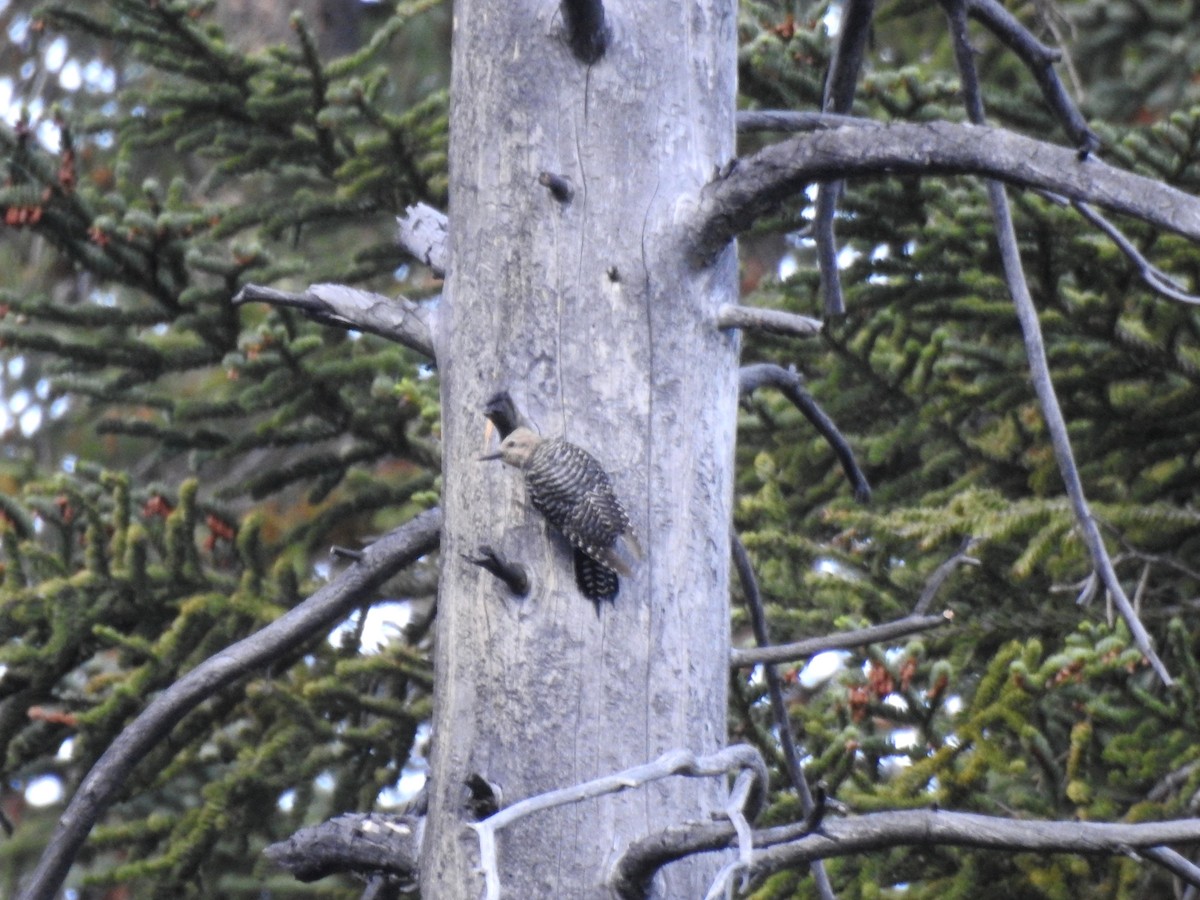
(399, 320)
(772, 321)
(787, 740)
(844, 640)
(791, 847)
(1035, 352)
(853, 33)
(791, 384)
(941, 573)
(421, 232)
(749, 120)
(729, 205)
(674, 762)
(354, 842)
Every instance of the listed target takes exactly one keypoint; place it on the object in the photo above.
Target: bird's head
(516, 448)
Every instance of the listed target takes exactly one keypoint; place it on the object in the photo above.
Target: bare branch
(1040, 60)
(1153, 277)
(587, 33)
(399, 320)
(292, 630)
(1177, 863)
(791, 754)
(789, 382)
(673, 762)
(1035, 352)
(354, 842)
(844, 640)
(730, 204)
(790, 846)
(853, 32)
(844, 837)
(941, 573)
(421, 231)
(772, 321)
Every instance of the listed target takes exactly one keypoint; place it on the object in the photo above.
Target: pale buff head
(516, 448)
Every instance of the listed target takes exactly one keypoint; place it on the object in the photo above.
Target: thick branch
(844, 640)
(788, 381)
(790, 847)
(421, 231)
(729, 205)
(398, 320)
(355, 842)
(317, 614)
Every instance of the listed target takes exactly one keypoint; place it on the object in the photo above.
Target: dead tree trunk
(569, 285)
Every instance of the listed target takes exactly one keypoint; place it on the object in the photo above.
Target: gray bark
(588, 311)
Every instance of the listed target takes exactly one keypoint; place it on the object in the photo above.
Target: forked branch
(740, 757)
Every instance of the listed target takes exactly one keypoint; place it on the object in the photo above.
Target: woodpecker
(571, 489)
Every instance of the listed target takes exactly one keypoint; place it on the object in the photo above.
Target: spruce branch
(730, 204)
(101, 786)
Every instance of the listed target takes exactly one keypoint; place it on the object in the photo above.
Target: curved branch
(853, 33)
(790, 846)
(729, 205)
(1040, 60)
(318, 613)
(741, 757)
(399, 320)
(752, 377)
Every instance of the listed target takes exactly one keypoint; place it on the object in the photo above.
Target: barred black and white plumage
(570, 488)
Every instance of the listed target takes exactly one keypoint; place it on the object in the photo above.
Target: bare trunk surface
(590, 314)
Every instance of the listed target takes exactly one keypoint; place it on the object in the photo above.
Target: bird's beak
(487, 456)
